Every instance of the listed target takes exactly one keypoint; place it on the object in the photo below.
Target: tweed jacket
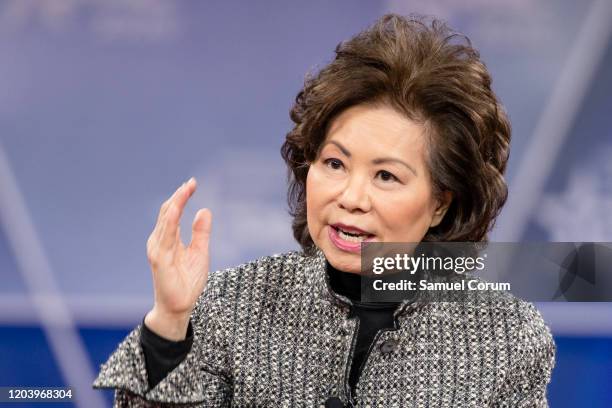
(272, 333)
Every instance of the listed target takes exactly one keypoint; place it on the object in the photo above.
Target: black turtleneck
(162, 355)
(372, 316)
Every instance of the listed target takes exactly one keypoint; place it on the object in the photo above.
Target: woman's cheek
(321, 186)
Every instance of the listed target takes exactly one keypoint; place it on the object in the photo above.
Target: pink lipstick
(337, 231)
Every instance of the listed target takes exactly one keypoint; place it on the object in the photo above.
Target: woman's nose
(356, 195)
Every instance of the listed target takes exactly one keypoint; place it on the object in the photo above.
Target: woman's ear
(442, 207)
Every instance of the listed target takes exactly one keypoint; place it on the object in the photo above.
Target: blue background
(106, 106)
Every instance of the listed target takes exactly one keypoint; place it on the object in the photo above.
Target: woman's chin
(345, 262)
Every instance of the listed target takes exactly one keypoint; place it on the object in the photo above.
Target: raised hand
(179, 272)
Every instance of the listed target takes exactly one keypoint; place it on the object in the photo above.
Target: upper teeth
(353, 237)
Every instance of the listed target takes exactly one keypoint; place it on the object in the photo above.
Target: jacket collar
(318, 278)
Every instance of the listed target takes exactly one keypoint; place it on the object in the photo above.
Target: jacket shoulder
(510, 335)
(238, 293)
(265, 273)
(506, 322)
(532, 357)
(533, 337)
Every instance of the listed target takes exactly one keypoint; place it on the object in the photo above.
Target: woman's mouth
(348, 238)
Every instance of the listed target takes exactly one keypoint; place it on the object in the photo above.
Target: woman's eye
(386, 176)
(334, 164)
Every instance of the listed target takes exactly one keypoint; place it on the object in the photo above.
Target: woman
(399, 139)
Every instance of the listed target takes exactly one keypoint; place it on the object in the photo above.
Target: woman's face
(369, 182)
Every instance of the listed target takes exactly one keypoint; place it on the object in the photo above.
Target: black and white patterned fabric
(271, 333)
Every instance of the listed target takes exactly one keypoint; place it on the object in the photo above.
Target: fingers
(153, 243)
(200, 230)
(170, 220)
(166, 204)
(200, 238)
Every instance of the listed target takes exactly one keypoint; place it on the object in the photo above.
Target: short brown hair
(433, 76)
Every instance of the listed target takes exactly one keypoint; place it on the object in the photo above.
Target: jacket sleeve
(526, 383)
(163, 355)
(202, 379)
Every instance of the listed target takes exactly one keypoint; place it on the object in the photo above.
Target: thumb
(200, 230)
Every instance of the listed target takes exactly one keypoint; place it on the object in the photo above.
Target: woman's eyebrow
(339, 146)
(394, 160)
(380, 160)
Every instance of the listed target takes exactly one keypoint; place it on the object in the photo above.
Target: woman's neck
(344, 283)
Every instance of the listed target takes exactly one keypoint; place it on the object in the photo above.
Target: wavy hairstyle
(433, 76)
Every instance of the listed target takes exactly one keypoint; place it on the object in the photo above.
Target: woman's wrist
(167, 325)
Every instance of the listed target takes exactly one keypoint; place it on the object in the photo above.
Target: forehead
(377, 129)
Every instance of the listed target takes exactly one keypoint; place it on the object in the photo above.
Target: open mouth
(351, 236)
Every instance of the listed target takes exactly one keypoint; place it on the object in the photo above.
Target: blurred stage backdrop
(106, 106)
